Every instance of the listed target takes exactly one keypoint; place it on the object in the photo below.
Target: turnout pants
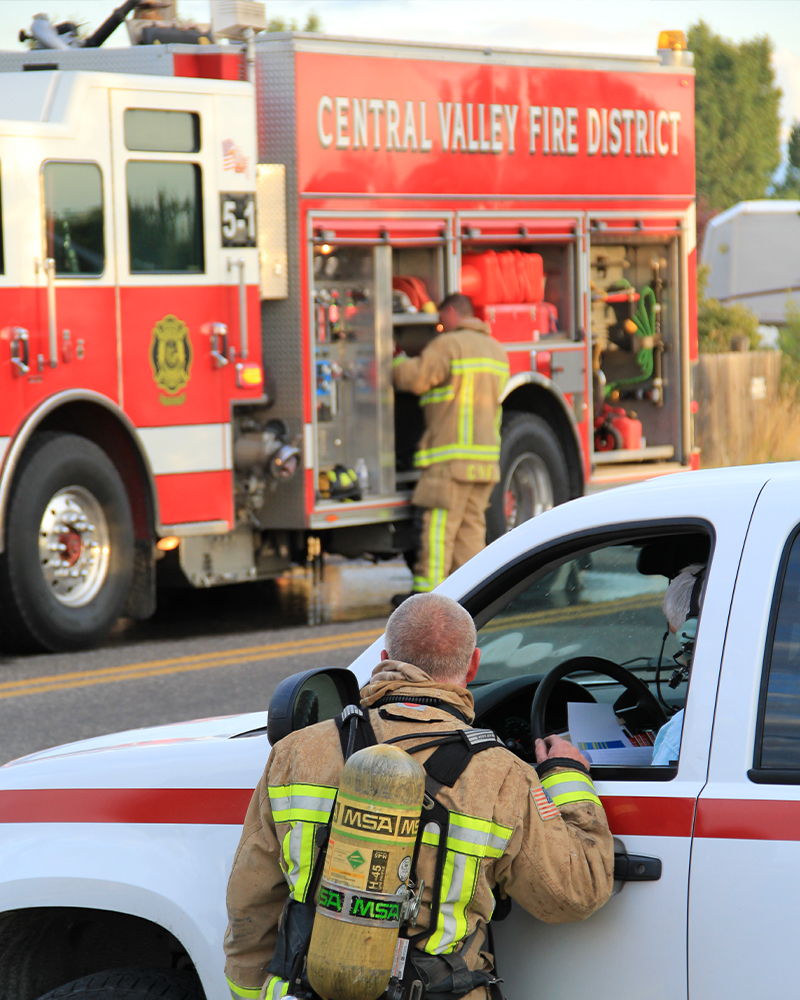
(452, 535)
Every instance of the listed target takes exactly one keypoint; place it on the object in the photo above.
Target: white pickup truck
(114, 852)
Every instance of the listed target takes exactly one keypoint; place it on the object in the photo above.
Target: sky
(625, 27)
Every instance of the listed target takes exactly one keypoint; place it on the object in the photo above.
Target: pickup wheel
(533, 474)
(66, 571)
(131, 984)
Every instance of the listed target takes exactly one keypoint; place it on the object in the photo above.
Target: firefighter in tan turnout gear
(459, 378)
(541, 839)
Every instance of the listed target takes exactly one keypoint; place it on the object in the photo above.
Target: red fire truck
(203, 282)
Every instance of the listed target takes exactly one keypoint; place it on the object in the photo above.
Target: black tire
(38, 610)
(131, 984)
(530, 457)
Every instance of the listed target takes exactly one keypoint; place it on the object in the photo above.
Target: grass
(778, 437)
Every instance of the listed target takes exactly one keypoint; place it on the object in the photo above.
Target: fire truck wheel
(533, 474)
(131, 984)
(66, 571)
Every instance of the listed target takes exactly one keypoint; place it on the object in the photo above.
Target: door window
(601, 602)
(73, 203)
(165, 217)
(162, 131)
(778, 740)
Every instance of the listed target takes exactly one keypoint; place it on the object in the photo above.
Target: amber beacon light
(672, 48)
(675, 40)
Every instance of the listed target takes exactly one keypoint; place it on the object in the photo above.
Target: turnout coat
(546, 844)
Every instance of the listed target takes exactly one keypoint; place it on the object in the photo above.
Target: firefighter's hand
(557, 746)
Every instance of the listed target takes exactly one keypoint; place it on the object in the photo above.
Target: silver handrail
(48, 265)
(243, 345)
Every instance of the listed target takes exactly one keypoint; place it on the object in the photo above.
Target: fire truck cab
(203, 283)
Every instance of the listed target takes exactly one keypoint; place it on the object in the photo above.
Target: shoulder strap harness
(455, 750)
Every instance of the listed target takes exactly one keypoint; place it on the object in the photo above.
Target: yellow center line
(182, 664)
(572, 613)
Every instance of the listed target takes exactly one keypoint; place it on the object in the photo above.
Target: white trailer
(753, 255)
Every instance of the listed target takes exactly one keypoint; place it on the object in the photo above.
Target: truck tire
(533, 474)
(131, 984)
(66, 570)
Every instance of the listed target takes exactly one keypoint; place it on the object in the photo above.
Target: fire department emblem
(171, 358)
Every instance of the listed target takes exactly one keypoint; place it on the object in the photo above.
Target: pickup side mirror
(308, 697)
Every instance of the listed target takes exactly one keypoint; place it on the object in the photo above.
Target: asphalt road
(204, 653)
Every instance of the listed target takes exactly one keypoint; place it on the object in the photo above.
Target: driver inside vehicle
(681, 608)
(588, 626)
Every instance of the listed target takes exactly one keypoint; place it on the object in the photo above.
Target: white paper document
(594, 730)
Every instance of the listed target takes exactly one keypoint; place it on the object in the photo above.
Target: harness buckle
(409, 909)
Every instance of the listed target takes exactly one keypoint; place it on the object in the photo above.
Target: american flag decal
(546, 808)
(233, 158)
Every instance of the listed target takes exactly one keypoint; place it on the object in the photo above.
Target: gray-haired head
(678, 597)
(434, 633)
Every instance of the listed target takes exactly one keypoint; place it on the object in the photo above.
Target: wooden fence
(739, 408)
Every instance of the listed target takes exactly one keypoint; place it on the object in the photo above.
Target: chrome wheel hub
(527, 489)
(74, 546)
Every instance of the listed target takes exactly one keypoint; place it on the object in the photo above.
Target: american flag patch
(233, 158)
(546, 808)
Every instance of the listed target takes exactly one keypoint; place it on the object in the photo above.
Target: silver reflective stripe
(451, 897)
(485, 838)
(291, 803)
(293, 856)
(277, 988)
(563, 787)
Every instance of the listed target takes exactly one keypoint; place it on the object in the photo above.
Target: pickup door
(588, 596)
(745, 888)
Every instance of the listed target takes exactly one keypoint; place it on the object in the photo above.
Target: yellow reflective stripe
(399, 360)
(430, 834)
(441, 394)
(466, 414)
(456, 452)
(485, 366)
(559, 777)
(295, 803)
(567, 797)
(277, 988)
(242, 991)
(436, 547)
(458, 886)
(569, 786)
(422, 585)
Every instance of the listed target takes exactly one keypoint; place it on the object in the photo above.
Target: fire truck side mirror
(309, 697)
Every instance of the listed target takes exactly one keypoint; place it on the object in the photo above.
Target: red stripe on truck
(723, 819)
(204, 806)
(648, 816)
(748, 819)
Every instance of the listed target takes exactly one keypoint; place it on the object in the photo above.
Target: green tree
(789, 187)
(313, 23)
(789, 343)
(718, 323)
(737, 118)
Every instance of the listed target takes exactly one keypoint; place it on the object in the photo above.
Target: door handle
(19, 351)
(636, 868)
(218, 339)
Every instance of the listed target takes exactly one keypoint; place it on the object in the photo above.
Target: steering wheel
(645, 699)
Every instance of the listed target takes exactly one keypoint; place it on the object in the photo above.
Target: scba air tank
(364, 880)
